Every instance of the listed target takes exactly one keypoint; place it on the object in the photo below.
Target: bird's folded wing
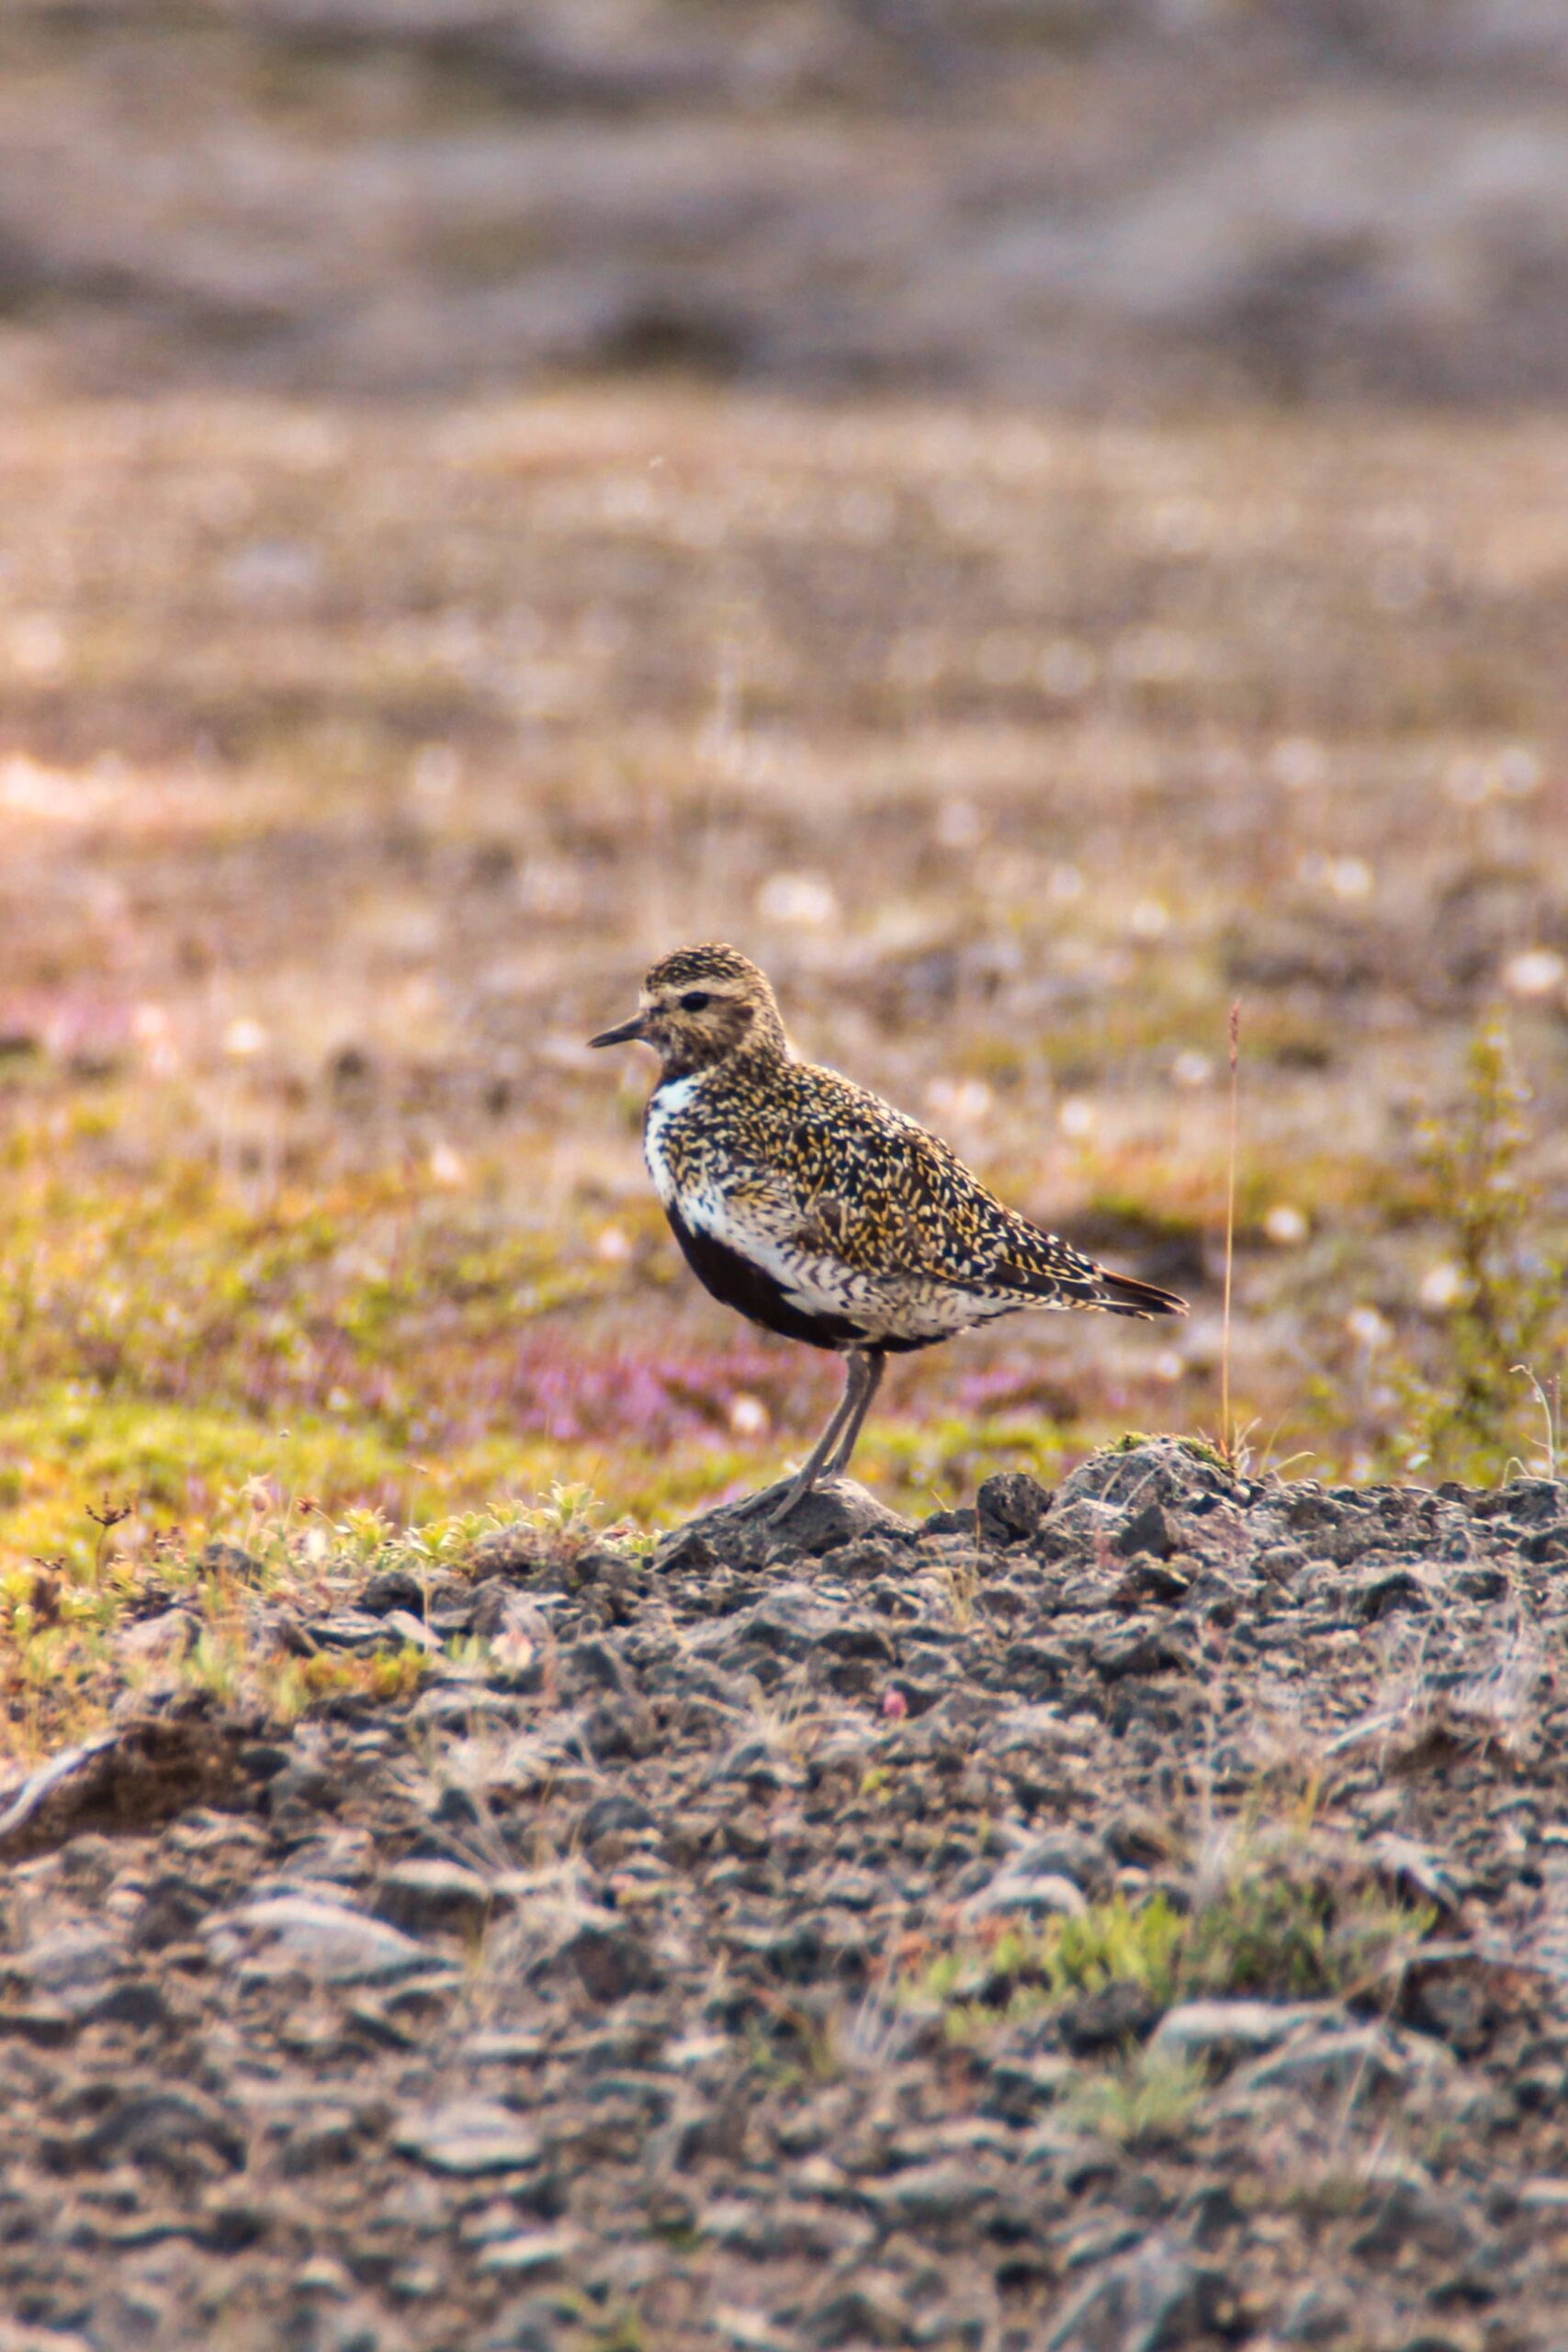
(914, 1213)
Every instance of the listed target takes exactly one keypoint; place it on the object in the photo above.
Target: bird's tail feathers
(1125, 1295)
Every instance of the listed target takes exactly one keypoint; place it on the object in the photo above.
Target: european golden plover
(818, 1210)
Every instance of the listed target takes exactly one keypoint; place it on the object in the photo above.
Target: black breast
(754, 1292)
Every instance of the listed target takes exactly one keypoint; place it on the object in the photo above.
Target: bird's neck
(752, 1064)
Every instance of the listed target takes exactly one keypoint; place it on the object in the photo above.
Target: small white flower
(1192, 1069)
(1442, 1285)
(447, 1168)
(748, 1416)
(1349, 877)
(1535, 971)
(243, 1038)
(614, 1244)
(1286, 1224)
(1076, 1117)
(1369, 1328)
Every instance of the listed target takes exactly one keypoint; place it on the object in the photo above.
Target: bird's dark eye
(695, 1000)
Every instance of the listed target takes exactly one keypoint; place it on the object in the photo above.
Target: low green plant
(1146, 2099)
(1282, 1931)
(1472, 1417)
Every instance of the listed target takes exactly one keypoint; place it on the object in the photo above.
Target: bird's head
(698, 1006)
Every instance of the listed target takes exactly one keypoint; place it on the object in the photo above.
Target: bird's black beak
(628, 1033)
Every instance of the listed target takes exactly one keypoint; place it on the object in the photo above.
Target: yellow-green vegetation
(1277, 1930)
(1142, 2099)
(1474, 1413)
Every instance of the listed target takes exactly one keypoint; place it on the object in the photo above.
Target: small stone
(869, 2311)
(285, 1932)
(468, 2138)
(413, 1631)
(531, 2254)
(221, 1558)
(72, 1967)
(618, 1813)
(394, 1588)
(1146, 1531)
(1225, 2032)
(135, 2001)
(173, 2132)
(1410, 2213)
(1008, 1507)
(930, 2195)
(167, 1635)
(612, 1959)
(1122, 2010)
(1153, 2299)
(536, 2323)
(1141, 1649)
(1020, 1887)
(422, 1895)
(1320, 2316)
(1366, 2058)
(687, 1552)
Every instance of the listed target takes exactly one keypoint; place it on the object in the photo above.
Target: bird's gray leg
(858, 1391)
(875, 1365)
(764, 1502)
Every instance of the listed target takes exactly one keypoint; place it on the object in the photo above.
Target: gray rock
(1119, 2012)
(395, 1588)
(1337, 2059)
(72, 1967)
(1225, 2032)
(871, 2310)
(173, 2132)
(1411, 2213)
(1321, 2314)
(530, 2253)
(932, 2196)
(468, 2138)
(288, 1932)
(1163, 1470)
(1147, 1529)
(421, 1896)
(841, 1512)
(351, 1629)
(612, 1959)
(1034, 1881)
(1009, 1507)
(1139, 1649)
(1151, 2301)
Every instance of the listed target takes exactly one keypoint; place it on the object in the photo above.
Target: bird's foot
(772, 1506)
(792, 1501)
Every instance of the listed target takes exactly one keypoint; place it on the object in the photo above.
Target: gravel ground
(606, 1993)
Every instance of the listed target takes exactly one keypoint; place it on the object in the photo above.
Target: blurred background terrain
(1135, 203)
(1037, 519)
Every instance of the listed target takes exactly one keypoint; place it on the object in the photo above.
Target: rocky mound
(1114, 1920)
